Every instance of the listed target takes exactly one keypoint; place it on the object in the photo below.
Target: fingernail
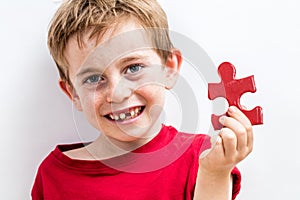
(222, 119)
(231, 109)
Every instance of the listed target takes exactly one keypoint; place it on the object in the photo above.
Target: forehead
(120, 39)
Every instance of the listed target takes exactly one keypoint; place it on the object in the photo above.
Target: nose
(119, 89)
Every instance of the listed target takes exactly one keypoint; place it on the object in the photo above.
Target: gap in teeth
(122, 116)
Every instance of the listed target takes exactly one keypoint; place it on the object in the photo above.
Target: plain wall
(258, 37)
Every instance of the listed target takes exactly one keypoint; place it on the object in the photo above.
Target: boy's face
(120, 84)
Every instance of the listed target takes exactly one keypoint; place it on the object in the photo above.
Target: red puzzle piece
(232, 89)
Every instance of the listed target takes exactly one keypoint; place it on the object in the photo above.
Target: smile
(122, 116)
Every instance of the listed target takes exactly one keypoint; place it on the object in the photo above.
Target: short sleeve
(37, 189)
(236, 181)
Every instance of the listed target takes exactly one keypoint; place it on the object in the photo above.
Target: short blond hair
(75, 17)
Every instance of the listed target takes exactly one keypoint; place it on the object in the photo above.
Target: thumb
(215, 141)
(204, 153)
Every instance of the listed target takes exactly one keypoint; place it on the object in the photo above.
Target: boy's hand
(233, 144)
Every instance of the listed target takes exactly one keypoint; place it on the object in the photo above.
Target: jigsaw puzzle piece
(232, 89)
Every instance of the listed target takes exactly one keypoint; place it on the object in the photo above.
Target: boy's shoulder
(76, 151)
(168, 140)
(197, 142)
(57, 154)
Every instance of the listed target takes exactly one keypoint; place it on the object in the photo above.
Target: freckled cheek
(154, 95)
(91, 109)
(91, 104)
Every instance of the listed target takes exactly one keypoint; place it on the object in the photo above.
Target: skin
(120, 87)
(234, 143)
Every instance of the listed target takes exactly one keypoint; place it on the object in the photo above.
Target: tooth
(116, 117)
(111, 116)
(122, 116)
(132, 113)
(136, 110)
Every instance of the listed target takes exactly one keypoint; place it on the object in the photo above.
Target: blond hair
(75, 17)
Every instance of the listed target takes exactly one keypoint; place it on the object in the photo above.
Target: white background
(258, 37)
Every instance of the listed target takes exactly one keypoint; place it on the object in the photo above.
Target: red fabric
(165, 168)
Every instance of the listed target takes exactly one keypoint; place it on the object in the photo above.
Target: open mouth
(125, 115)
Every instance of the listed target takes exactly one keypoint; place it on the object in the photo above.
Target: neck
(107, 147)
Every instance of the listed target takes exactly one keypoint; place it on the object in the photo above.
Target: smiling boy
(116, 61)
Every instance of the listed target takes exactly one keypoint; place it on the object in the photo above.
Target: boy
(115, 61)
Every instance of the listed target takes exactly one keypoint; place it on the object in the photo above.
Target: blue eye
(94, 79)
(134, 68)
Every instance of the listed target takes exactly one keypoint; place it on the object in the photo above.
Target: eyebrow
(86, 70)
(121, 61)
(131, 58)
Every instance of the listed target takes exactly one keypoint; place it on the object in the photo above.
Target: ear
(71, 93)
(172, 68)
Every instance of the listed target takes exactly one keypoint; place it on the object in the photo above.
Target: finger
(238, 129)
(250, 139)
(239, 115)
(204, 153)
(243, 119)
(229, 142)
(217, 144)
(216, 140)
(216, 147)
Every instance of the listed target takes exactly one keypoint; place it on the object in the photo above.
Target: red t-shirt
(164, 168)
